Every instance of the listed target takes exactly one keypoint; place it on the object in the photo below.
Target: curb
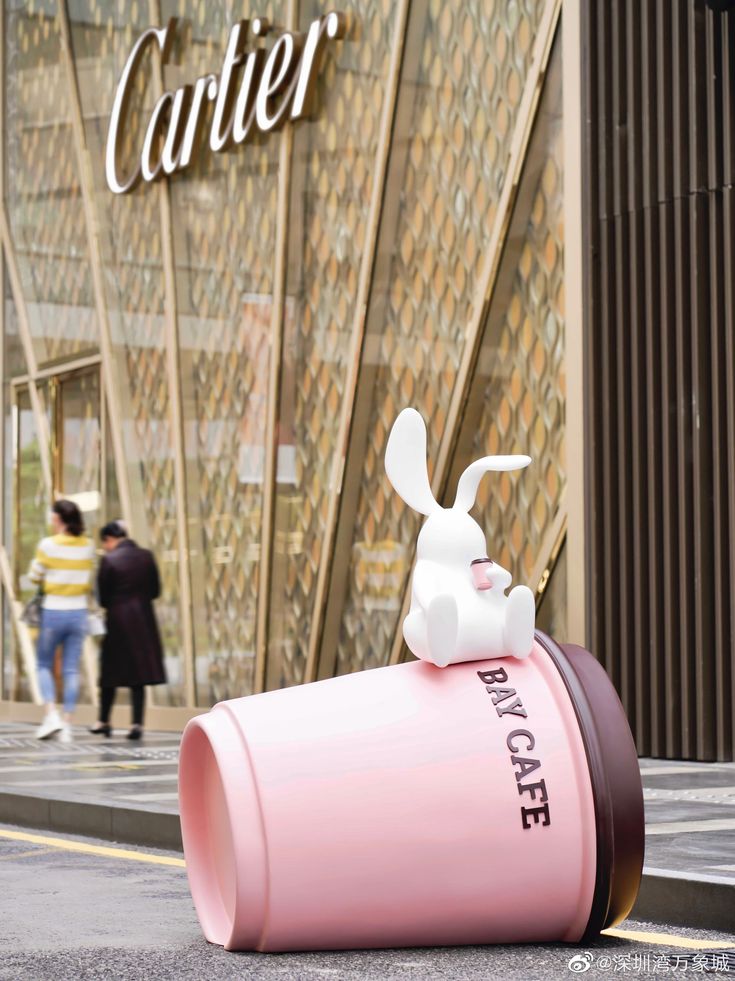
(695, 901)
(703, 902)
(128, 825)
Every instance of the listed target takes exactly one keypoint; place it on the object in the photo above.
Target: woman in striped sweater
(63, 567)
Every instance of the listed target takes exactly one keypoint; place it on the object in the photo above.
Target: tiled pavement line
(21, 785)
(690, 827)
(718, 795)
(153, 798)
(684, 769)
(77, 767)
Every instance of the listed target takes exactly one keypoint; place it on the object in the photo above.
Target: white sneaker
(66, 735)
(52, 723)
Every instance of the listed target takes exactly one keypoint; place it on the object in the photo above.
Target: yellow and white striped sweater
(64, 564)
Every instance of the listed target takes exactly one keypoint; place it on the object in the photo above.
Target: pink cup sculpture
(488, 792)
(487, 802)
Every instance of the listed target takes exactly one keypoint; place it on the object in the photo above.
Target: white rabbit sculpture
(454, 615)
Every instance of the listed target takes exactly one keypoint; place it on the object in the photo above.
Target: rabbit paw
(441, 629)
(520, 618)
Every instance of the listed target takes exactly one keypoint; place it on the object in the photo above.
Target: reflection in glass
(78, 444)
(31, 512)
(460, 91)
(332, 180)
(224, 233)
(463, 70)
(78, 470)
(517, 399)
(129, 229)
(551, 616)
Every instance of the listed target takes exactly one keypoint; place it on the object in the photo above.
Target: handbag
(31, 614)
(96, 626)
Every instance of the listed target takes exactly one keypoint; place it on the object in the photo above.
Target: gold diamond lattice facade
(217, 357)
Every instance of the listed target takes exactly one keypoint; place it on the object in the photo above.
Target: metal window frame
(275, 380)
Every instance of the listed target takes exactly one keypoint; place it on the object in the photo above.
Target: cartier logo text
(256, 89)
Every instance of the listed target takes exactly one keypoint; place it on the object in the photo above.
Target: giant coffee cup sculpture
(492, 800)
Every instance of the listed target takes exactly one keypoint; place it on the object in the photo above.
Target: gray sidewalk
(126, 792)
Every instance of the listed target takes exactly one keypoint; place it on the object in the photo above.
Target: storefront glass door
(77, 443)
(72, 407)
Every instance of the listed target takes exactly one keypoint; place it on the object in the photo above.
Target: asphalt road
(101, 912)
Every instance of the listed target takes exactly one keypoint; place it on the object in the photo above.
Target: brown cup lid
(616, 782)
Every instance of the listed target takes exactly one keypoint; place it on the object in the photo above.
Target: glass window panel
(78, 436)
(15, 362)
(332, 182)
(31, 512)
(8, 671)
(78, 461)
(224, 228)
(461, 89)
(551, 616)
(131, 255)
(79, 445)
(517, 400)
(42, 191)
(111, 509)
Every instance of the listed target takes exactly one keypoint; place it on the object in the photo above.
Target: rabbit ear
(470, 479)
(405, 462)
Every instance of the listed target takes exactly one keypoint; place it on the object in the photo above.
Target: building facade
(217, 355)
(660, 340)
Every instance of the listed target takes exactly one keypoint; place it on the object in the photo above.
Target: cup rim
(615, 777)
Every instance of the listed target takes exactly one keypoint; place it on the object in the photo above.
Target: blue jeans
(67, 628)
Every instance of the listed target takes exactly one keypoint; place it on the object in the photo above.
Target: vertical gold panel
(333, 174)
(469, 78)
(573, 57)
(275, 381)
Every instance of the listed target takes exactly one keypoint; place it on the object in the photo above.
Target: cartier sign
(256, 89)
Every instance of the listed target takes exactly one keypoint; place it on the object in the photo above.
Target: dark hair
(113, 529)
(70, 515)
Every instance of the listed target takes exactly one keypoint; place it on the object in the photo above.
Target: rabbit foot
(441, 629)
(520, 618)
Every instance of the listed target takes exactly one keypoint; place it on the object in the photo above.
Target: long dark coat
(127, 584)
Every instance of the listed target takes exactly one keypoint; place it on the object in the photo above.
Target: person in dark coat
(132, 654)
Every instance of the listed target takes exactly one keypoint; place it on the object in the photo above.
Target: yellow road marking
(638, 936)
(666, 939)
(81, 846)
